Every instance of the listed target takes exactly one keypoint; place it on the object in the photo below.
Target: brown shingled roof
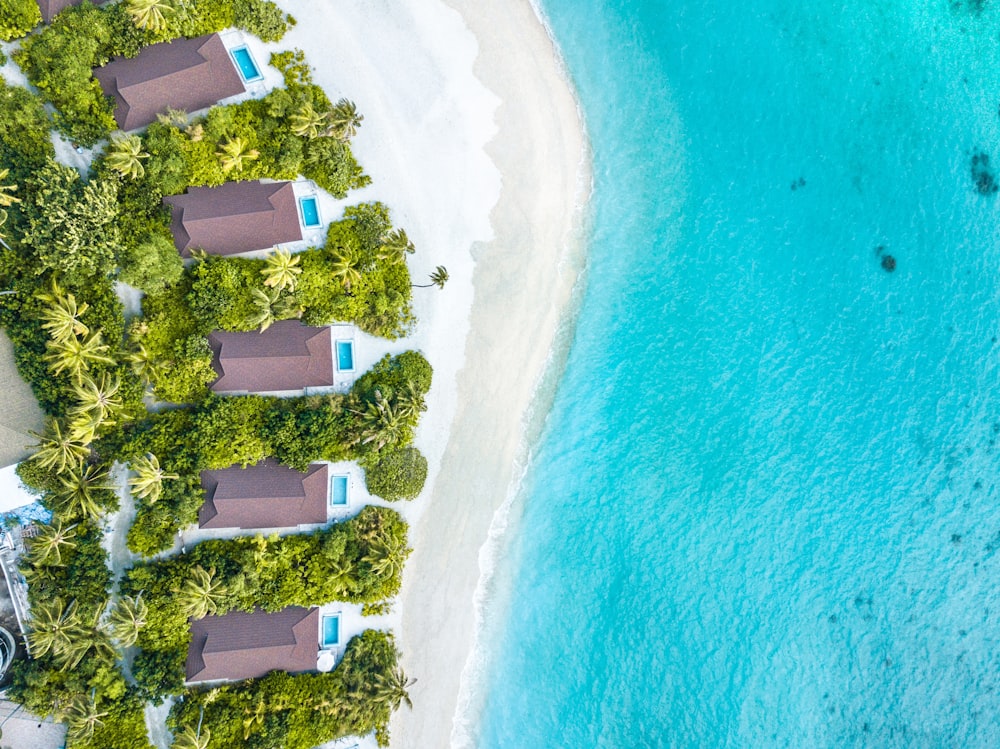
(267, 495)
(286, 356)
(242, 645)
(50, 8)
(234, 217)
(188, 74)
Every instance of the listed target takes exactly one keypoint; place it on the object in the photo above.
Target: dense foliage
(65, 240)
(379, 414)
(396, 474)
(360, 561)
(60, 59)
(17, 18)
(281, 711)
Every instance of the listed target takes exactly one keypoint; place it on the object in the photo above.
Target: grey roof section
(187, 74)
(50, 8)
(234, 217)
(287, 356)
(241, 645)
(267, 495)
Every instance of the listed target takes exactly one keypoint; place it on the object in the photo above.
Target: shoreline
(524, 281)
(474, 139)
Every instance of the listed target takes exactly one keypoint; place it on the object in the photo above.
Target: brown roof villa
(187, 74)
(286, 356)
(50, 8)
(234, 217)
(241, 645)
(267, 495)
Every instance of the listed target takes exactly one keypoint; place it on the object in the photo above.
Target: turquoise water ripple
(763, 512)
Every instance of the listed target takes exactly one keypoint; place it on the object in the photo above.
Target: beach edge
(524, 281)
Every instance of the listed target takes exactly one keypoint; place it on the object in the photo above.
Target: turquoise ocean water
(765, 508)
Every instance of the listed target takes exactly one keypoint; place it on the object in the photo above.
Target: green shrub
(395, 475)
(59, 62)
(17, 18)
(36, 478)
(304, 710)
(261, 18)
(24, 130)
(151, 264)
(71, 225)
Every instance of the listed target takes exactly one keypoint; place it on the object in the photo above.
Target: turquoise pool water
(309, 208)
(345, 356)
(338, 495)
(246, 65)
(331, 631)
(780, 497)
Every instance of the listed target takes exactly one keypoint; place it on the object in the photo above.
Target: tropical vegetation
(102, 647)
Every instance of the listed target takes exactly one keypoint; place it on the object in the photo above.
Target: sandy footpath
(473, 139)
(20, 414)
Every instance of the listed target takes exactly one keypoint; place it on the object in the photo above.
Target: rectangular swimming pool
(338, 492)
(309, 209)
(331, 631)
(345, 356)
(245, 64)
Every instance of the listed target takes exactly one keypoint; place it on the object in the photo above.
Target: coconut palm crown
(125, 156)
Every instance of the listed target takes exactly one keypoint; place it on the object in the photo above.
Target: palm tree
(59, 450)
(396, 246)
(233, 153)
(188, 738)
(281, 270)
(307, 122)
(62, 318)
(438, 278)
(75, 355)
(76, 494)
(254, 718)
(410, 402)
(172, 117)
(142, 361)
(149, 15)
(90, 639)
(125, 156)
(202, 594)
(127, 618)
(265, 302)
(98, 397)
(344, 266)
(382, 423)
(49, 542)
(272, 305)
(387, 556)
(7, 197)
(391, 689)
(84, 426)
(53, 627)
(3, 220)
(148, 482)
(343, 120)
(83, 718)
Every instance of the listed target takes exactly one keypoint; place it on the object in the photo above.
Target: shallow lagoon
(771, 518)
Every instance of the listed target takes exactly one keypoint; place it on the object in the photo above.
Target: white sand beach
(473, 138)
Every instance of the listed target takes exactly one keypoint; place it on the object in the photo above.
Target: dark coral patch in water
(889, 263)
(982, 176)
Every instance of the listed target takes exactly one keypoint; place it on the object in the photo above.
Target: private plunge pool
(309, 209)
(345, 356)
(331, 631)
(338, 491)
(245, 64)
